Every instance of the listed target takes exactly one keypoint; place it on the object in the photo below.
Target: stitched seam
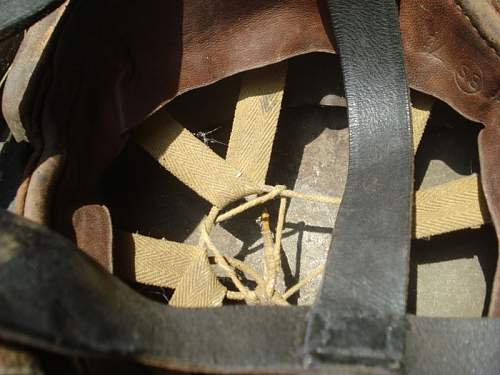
(476, 29)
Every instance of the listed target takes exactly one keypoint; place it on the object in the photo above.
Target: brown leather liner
(91, 224)
(118, 71)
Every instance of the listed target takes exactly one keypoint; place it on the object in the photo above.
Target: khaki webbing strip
(161, 262)
(256, 119)
(199, 287)
(448, 207)
(182, 267)
(193, 162)
(420, 112)
(186, 268)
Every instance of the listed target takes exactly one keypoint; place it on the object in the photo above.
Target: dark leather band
(452, 346)
(16, 15)
(358, 315)
(66, 303)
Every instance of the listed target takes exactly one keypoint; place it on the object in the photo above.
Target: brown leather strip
(464, 70)
(93, 231)
(484, 15)
(489, 154)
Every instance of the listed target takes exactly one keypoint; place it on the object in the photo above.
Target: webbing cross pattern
(185, 268)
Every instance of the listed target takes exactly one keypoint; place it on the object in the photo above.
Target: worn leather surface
(27, 59)
(78, 293)
(452, 346)
(92, 225)
(358, 313)
(485, 17)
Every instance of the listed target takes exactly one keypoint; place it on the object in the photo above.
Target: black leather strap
(16, 15)
(358, 315)
(54, 297)
(452, 346)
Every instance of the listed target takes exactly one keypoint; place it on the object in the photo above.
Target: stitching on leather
(476, 29)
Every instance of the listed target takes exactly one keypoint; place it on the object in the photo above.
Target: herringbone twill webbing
(449, 207)
(193, 162)
(255, 121)
(439, 209)
(182, 267)
(217, 180)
